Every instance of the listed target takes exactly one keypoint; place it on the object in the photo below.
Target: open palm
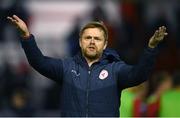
(157, 37)
(20, 24)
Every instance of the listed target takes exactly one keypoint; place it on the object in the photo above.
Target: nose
(92, 41)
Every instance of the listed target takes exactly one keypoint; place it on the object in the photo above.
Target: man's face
(92, 43)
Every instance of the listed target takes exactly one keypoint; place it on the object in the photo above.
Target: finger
(163, 29)
(160, 28)
(8, 17)
(156, 33)
(12, 20)
(16, 18)
(165, 33)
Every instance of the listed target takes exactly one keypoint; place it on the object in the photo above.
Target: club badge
(103, 74)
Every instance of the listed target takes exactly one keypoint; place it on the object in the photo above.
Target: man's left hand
(157, 37)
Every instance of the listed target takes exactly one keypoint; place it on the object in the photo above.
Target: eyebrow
(95, 37)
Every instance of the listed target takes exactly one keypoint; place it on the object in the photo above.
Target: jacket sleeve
(49, 67)
(132, 75)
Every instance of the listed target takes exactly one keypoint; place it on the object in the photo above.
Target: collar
(108, 56)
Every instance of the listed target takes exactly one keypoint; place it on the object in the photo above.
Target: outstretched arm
(49, 67)
(129, 75)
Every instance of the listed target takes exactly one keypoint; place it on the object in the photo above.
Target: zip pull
(89, 72)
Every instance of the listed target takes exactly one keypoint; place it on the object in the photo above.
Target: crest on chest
(103, 74)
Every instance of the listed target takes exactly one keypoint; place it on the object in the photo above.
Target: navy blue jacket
(90, 91)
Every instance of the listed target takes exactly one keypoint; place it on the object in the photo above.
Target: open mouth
(91, 48)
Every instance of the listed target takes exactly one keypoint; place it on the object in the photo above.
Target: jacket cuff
(27, 38)
(27, 42)
(152, 50)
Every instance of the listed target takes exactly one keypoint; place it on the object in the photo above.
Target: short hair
(95, 24)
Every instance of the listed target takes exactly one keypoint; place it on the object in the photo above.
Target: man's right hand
(21, 26)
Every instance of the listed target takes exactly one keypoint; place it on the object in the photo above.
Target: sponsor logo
(74, 71)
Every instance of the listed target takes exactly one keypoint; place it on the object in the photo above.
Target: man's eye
(96, 38)
(88, 37)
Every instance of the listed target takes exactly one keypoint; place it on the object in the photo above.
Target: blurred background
(56, 24)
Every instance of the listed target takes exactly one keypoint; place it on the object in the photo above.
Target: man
(169, 100)
(91, 82)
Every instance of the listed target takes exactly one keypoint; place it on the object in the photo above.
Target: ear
(105, 45)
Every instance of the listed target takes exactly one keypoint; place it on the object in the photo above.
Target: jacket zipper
(87, 93)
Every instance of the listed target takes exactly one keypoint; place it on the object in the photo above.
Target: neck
(91, 61)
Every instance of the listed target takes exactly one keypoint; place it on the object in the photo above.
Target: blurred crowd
(131, 23)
